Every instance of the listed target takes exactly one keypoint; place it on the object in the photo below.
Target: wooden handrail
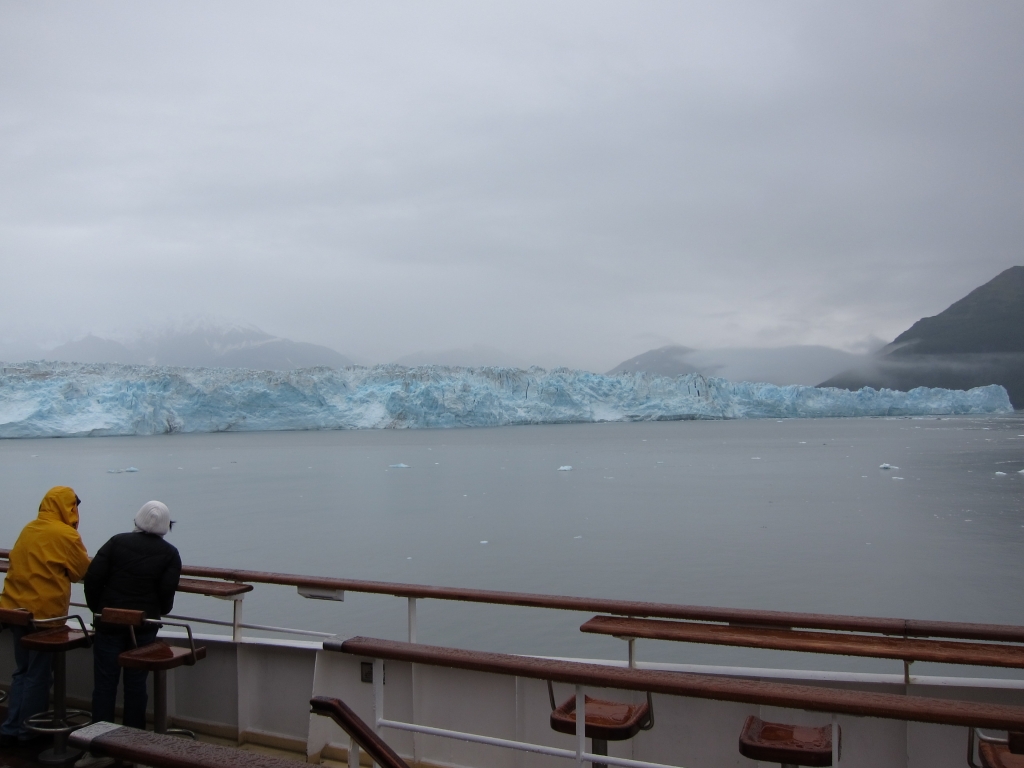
(353, 725)
(786, 695)
(1006, 633)
(836, 643)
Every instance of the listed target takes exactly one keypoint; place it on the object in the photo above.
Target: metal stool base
(44, 722)
(53, 757)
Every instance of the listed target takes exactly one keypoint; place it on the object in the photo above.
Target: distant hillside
(978, 340)
(664, 361)
(988, 319)
(476, 356)
(798, 364)
(205, 347)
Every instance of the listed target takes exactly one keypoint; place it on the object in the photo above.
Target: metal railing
(330, 588)
(831, 701)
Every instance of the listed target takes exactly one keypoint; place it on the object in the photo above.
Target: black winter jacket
(133, 570)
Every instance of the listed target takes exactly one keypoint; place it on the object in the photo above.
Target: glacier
(51, 399)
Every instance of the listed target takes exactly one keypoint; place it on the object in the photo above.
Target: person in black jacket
(140, 571)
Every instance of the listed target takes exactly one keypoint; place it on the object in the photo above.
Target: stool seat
(999, 756)
(786, 744)
(159, 656)
(56, 640)
(606, 720)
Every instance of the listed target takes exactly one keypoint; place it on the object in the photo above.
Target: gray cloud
(555, 181)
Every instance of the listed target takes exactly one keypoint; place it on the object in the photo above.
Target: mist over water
(788, 515)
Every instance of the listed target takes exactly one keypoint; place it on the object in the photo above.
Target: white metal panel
(274, 688)
(208, 691)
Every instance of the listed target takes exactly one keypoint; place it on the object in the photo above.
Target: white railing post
(236, 619)
(581, 725)
(412, 619)
(412, 639)
(353, 753)
(632, 652)
(378, 697)
(835, 740)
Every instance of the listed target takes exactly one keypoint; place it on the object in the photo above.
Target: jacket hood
(59, 506)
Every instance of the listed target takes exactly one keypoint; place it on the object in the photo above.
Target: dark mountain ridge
(988, 319)
(976, 341)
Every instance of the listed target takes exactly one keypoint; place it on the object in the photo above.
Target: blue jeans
(30, 686)
(106, 671)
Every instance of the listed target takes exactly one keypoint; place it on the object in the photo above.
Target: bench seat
(159, 655)
(162, 751)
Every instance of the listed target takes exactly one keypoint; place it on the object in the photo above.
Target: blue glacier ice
(48, 399)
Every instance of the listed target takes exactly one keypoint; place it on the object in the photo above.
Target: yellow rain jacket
(47, 557)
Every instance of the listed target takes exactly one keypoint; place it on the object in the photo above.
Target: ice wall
(49, 399)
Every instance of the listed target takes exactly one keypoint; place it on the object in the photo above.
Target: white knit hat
(154, 517)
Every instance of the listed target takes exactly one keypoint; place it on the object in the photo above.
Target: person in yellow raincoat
(47, 557)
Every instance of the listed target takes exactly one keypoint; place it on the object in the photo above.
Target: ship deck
(444, 707)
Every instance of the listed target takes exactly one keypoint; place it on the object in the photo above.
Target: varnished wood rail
(782, 619)
(786, 695)
(835, 643)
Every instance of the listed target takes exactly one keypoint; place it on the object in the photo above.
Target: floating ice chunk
(577, 537)
(1001, 473)
(398, 466)
(755, 458)
(897, 478)
(127, 469)
(484, 541)
(565, 468)
(885, 465)
(1020, 471)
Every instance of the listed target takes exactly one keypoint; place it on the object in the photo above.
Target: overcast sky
(570, 182)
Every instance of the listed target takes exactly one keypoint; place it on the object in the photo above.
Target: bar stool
(790, 745)
(605, 720)
(157, 658)
(995, 752)
(57, 641)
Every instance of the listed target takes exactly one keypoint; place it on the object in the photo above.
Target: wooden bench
(789, 696)
(837, 643)
(161, 751)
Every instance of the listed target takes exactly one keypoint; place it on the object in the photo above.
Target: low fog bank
(800, 364)
(953, 371)
(199, 346)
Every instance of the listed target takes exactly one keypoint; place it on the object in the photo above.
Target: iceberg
(51, 399)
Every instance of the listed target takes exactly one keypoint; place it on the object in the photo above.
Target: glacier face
(47, 399)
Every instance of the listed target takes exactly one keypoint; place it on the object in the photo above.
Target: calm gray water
(792, 515)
